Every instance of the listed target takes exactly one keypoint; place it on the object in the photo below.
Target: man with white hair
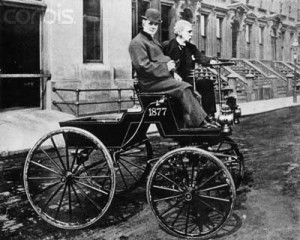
(155, 71)
(185, 54)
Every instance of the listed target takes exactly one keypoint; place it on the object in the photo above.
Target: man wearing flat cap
(155, 71)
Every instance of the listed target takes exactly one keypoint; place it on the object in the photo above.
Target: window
(92, 43)
(138, 10)
(219, 27)
(261, 35)
(219, 36)
(165, 13)
(292, 37)
(248, 33)
(203, 33)
(203, 22)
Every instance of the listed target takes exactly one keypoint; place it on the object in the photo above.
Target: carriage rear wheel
(227, 151)
(132, 166)
(69, 178)
(191, 193)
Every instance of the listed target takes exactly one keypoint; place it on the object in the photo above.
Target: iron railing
(77, 103)
(42, 77)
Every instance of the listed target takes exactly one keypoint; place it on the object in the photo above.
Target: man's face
(187, 34)
(150, 27)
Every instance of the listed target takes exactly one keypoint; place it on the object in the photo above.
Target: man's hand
(177, 77)
(171, 65)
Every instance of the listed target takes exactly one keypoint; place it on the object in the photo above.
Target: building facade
(84, 44)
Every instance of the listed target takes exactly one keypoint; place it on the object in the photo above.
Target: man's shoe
(210, 119)
(215, 123)
(205, 124)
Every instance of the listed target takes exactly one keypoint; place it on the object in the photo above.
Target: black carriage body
(158, 109)
(112, 132)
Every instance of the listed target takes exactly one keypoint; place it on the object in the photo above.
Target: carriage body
(132, 127)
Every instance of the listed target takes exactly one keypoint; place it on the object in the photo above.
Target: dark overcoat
(150, 65)
(153, 75)
(186, 57)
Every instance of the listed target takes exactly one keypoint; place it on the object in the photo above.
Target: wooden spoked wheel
(69, 178)
(191, 193)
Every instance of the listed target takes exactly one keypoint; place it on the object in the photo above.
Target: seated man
(185, 54)
(155, 71)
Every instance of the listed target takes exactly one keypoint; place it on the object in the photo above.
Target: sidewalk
(20, 129)
(249, 108)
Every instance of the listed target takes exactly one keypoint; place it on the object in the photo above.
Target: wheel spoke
(70, 203)
(45, 189)
(191, 179)
(208, 205)
(79, 202)
(187, 218)
(67, 152)
(91, 200)
(166, 188)
(55, 163)
(74, 157)
(52, 196)
(127, 170)
(209, 179)
(58, 154)
(170, 180)
(214, 188)
(91, 177)
(60, 202)
(214, 198)
(91, 187)
(171, 207)
(192, 230)
(132, 164)
(44, 167)
(42, 178)
(168, 198)
(177, 216)
(85, 168)
(122, 176)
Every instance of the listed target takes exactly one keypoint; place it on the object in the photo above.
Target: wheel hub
(188, 196)
(67, 178)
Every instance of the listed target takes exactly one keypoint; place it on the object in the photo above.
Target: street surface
(267, 207)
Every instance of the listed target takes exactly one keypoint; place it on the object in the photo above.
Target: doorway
(235, 32)
(273, 44)
(19, 54)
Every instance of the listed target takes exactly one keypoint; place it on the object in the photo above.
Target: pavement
(21, 129)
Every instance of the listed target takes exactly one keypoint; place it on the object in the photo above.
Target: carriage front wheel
(69, 178)
(191, 193)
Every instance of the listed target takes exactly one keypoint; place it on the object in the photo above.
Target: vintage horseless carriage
(72, 174)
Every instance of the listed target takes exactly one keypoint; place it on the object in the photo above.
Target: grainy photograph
(149, 119)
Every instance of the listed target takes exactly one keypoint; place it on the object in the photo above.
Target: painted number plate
(157, 111)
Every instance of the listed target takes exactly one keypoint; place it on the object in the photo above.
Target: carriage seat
(173, 103)
(176, 111)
